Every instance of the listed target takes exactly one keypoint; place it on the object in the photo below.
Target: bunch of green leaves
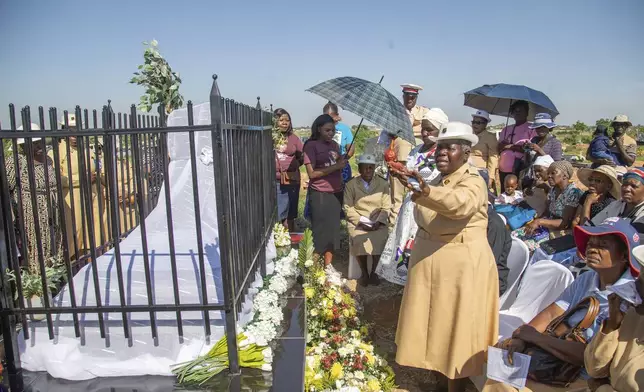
(160, 82)
(32, 283)
(279, 140)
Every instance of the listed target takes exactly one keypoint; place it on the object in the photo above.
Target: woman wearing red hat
(608, 251)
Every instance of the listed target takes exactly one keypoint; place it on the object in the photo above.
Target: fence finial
(259, 105)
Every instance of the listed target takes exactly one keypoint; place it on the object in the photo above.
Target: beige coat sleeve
(402, 148)
(349, 203)
(493, 158)
(458, 202)
(599, 354)
(385, 201)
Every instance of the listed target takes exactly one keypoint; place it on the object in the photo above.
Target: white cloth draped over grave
(92, 356)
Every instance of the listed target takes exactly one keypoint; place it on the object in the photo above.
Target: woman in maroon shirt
(324, 166)
(288, 159)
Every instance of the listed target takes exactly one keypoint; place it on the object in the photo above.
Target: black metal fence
(72, 191)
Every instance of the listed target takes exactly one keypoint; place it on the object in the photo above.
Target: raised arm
(459, 202)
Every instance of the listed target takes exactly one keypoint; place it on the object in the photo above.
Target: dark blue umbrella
(497, 98)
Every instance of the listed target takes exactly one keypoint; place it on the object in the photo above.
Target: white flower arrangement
(255, 338)
(281, 236)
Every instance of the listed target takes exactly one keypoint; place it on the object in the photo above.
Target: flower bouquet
(282, 240)
(338, 357)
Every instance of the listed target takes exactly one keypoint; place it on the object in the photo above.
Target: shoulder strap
(592, 305)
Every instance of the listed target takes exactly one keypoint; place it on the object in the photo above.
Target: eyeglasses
(477, 122)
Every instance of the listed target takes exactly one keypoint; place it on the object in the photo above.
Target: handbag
(286, 178)
(544, 367)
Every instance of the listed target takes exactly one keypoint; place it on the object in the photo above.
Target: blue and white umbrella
(368, 100)
(497, 98)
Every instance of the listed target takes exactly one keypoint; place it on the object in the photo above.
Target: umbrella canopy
(368, 100)
(497, 98)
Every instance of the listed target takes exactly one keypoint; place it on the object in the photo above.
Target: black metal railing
(81, 189)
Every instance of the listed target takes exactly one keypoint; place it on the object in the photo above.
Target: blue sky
(586, 55)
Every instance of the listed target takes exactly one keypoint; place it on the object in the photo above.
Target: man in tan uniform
(416, 113)
(485, 154)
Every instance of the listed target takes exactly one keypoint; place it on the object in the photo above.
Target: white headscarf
(543, 160)
(437, 117)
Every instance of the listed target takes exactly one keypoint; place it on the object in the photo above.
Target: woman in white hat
(450, 307)
(366, 206)
(395, 258)
(45, 211)
(485, 154)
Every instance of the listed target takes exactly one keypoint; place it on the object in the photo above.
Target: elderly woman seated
(562, 203)
(535, 183)
(603, 189)
(631, 205)
(366, 205)
(608, 252)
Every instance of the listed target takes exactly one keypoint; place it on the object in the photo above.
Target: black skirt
(325, 220)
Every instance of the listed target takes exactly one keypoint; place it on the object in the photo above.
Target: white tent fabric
(542, 283)
(92, 356)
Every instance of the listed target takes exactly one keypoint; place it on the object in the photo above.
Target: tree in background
(365, 134)
(160, 82)
(580, 126)
(605, 122)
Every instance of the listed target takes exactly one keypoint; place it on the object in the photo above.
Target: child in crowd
(600, 146)
(511, 195)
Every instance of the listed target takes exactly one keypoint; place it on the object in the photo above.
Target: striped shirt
(551, 147)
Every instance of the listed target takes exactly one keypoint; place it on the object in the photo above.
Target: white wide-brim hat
(608, 171)
(457, 131)
(367, 159)
(482, 114)
(34, 127)
(622, 118)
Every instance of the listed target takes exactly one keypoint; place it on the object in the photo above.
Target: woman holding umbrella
(324, 165)
(511, 152)
(449, 312)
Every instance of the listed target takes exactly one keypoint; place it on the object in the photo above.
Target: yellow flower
(346, 313)
(371, 360)
(309, 292)
(328, 314)
(336, 371)
(374, 385)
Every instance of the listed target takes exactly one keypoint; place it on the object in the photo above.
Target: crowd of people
(443, 220)
(42, 218)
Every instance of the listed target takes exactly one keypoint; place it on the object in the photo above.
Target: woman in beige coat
(617, 353)
(366, 206)
(78, 236)
(449, 312)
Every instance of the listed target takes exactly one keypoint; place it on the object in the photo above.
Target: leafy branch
(160, 82)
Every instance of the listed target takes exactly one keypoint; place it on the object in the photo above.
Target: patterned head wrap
(436, 117)
(564, 167)
(635, 173)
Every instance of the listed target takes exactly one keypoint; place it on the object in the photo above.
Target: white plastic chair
(517, 263)
(542, 283)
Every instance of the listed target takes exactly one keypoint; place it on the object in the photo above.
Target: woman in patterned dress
(392, 264)
(46, 208)
(562, 202)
